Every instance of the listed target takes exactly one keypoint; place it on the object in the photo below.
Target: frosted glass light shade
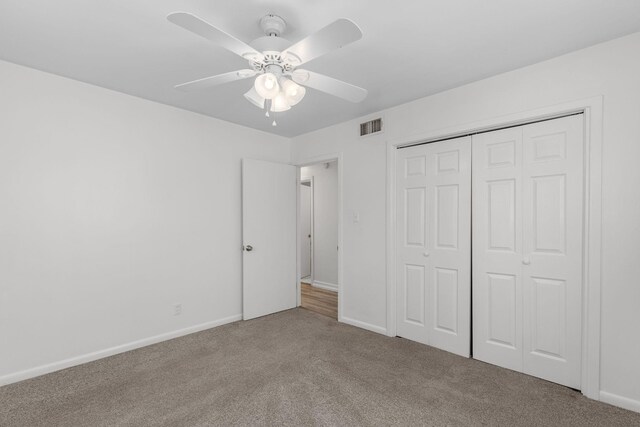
(280, 103)
(267, 85)
(254, 98)
(293, 92)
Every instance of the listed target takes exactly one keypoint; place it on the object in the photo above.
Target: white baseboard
(79, 360)
(364, 325)
(617, 400)
(325, 285)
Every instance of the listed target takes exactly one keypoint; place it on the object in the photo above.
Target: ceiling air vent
(370, 127)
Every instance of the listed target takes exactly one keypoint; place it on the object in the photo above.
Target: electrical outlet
(177, 309)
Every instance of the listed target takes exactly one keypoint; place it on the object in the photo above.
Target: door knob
(425, 254)
(248, 248)
(526, 260)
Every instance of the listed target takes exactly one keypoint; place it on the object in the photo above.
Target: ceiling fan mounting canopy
(276, 61)
(273, 25)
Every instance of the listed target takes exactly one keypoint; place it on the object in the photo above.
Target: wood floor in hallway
(320, 300)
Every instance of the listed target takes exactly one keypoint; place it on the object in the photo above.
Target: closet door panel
(433, 244)
(412, 242)
(497, 248)
(450, 254)
(527, 248)
(552, 259)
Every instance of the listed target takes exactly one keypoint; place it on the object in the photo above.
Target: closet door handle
(425, 254)
(526, 260)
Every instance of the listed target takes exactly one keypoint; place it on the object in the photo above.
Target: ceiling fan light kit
(279, 84)
(267, 85)
(255, 98)
(293, 91)
(280, 104)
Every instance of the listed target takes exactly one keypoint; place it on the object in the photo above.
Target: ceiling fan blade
(333, 36)
(329, 85)
(212, 81)
(202, 28)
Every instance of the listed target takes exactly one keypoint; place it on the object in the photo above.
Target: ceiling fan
(279, 84)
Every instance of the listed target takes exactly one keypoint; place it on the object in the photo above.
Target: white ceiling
(410, 48)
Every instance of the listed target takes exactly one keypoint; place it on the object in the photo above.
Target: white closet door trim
(592, 109)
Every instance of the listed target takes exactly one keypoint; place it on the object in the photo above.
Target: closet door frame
(592, 109)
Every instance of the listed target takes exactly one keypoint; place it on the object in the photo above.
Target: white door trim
(592, 109)
(310, 181)
(307, 161)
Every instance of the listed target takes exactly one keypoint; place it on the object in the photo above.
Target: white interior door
(527, 248)
(306, 194)
(269, 237)
(434, 244)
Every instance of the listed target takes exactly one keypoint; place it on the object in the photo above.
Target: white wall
(325, 222)
(112, 209)
(610, 69)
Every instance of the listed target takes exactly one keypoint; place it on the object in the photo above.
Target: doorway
(318, 237)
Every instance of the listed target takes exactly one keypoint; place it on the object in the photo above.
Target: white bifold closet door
(434, 244)
(527, 248)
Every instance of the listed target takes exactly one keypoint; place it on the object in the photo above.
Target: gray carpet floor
(295, 368)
